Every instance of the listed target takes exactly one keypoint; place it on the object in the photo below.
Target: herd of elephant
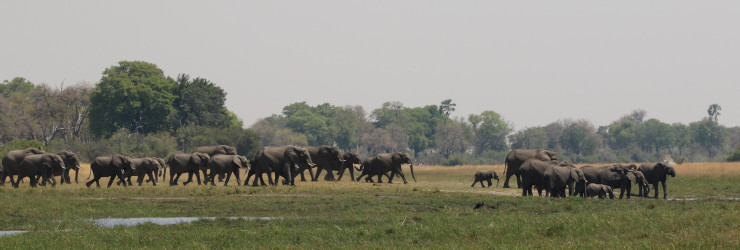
(542, 169)
(284, 161)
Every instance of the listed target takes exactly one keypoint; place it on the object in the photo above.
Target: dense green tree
(622, 134)
(531, 138)
(489, 131)
(446, 107)
(135, 96)
(579, 139)
(713, 111)
(709, 134)
(200, 102)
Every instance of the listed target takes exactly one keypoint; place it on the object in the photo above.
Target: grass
(435, 212)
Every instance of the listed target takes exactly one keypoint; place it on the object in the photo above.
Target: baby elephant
(482, 175)
(599, 190)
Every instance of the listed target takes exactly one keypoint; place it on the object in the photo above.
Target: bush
(734, 155)
(453, 161)
(21, 144)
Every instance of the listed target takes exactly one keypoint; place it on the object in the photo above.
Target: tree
(709, 134)
(200, 102)
(135, 96)
(713, 111)
(531, 138)
(489, 131)
(446, 108)
(579, 139)
(654, 135)
(450, 139)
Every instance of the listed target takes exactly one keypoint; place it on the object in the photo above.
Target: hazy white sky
(534, 62)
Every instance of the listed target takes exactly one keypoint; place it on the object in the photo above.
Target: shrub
(734, 155)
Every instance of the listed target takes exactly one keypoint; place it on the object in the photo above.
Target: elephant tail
(90, 173)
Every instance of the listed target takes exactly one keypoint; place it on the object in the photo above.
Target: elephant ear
(195, 158)
(117, 160)
(631, 177)
(574, 174)
(237, 161)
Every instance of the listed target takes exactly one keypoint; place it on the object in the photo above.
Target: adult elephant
(11, 162)
(71, 162)
(615, 176)
(41, 165)
(282, 161)
(144, 167)
(385, 163)
(658, 173)
(642, 184)
(186, 163)
(215, 150)
(350, 159)
(226, 164)
(517, 157)
(366, 170)
(110, 166)
(557, 177)
(532, 173)
(328, 158)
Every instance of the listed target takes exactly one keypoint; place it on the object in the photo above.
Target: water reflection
(112, 222)
(11, 233)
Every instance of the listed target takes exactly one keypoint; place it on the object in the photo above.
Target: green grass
(437, 212)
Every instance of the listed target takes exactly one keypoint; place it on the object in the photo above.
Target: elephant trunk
(412, 172)
(77, 172)
(497, 182)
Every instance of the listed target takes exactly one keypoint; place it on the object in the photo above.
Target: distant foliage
(20, 145)
(734, 155)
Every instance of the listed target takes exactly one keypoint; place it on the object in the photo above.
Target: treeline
(138, 111)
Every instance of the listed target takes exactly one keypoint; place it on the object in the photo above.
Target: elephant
(110, 166)
(226, 164)
(350, 158)
(616, 176)
(186, 163)
(11, 162)
(385, 162)
(557, 177)
(143, 166)
(42, 165)
(485, 175)
(282, 161)
(658, 172)
(533, 171)
(71, 162)
(365, 170)
(641, 182)
(328, 158)
(216, 150)
(517, 157)
(599, 190)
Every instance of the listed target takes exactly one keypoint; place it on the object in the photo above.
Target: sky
(533, 62)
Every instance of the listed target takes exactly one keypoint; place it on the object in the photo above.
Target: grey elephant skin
(517, 157)
(658, 173)
(226, 164)
(327, 158)
(367, 171)
(12, 161)
(41, 165)
(390, 163)
(147, 166)
(283, 161)
(112, 166)
(615, 176)
(186, 163)
(642, 184)
(216, 150)
(485, 175)
(350, 159)
(533, 173)
(71, 162)
(599, 190)
(557, 177)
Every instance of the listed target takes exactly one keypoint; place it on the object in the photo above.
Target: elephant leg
(226, 180)
(153, 177)
(90, 182)
(236, 175)
(113, 177)
(190, 179)
(665, 192)
(341, 173)
(518, 179)
(655, 186)
(400, 173)
(381, 180)
(176, 179)
(314, 177)
(490, 184)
